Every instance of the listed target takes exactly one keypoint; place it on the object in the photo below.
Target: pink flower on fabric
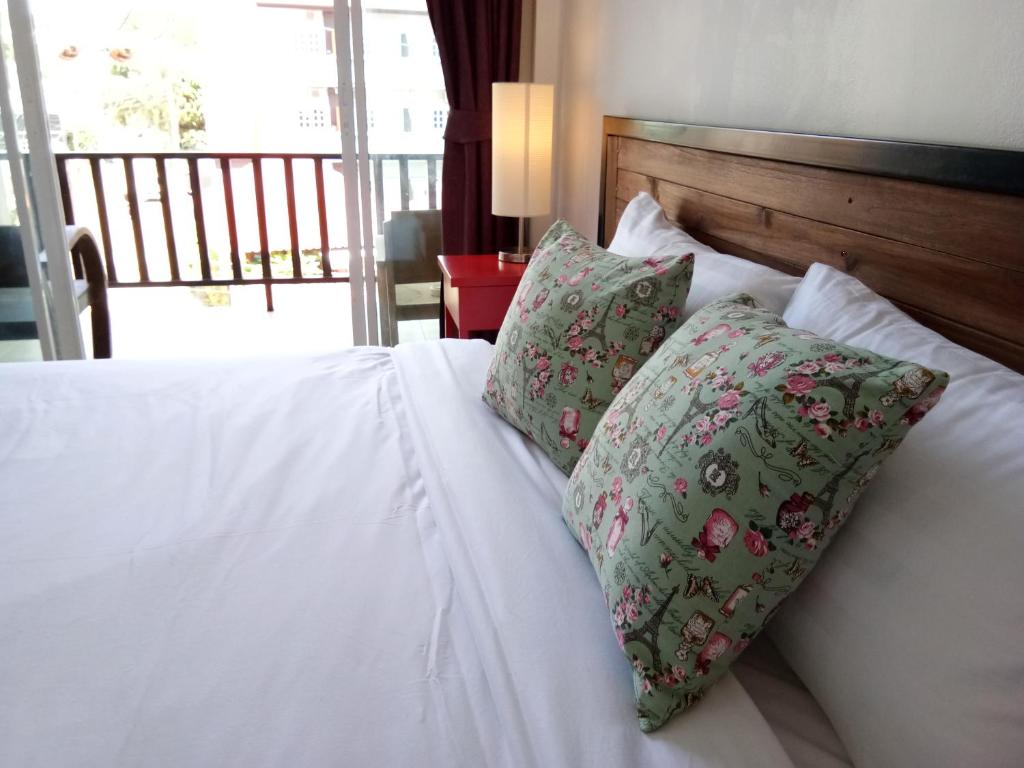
(703, 424)
(722, 379)
(662, 431)
(820, 411)
(792, 512)
(681, 485)
(876, 417)
(755, 543)
(543, 363)
(835, 366)
(805, 530)
(658, 267)
(823, 429)
(722, 418)
(575, 342)
(620, 310)
(617, 490)
(665, 560)
(800, 385)
(567, 375)
(862, 424)
(705, 440)
(810, 367)
(729, 400)
(735, 334)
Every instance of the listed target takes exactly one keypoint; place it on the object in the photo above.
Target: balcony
(232, 253)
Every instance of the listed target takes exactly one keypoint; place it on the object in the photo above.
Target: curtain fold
(478, 44)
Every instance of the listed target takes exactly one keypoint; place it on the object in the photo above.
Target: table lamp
(521, 135)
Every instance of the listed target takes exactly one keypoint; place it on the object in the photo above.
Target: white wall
(949, 71)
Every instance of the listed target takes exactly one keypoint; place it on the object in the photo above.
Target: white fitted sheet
(337, 560)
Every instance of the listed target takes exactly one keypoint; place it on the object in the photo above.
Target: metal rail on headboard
(937, 229)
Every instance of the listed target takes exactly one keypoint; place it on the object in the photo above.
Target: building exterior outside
(233, 76)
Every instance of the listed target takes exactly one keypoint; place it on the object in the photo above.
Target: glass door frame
(38, 198)
(355, 163)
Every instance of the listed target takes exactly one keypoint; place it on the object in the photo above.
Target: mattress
(344, 559)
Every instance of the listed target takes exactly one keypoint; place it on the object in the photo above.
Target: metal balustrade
(309, 261)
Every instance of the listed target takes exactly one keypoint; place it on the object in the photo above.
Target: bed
(350, 560)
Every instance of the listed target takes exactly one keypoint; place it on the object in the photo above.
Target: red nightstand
(476, 291)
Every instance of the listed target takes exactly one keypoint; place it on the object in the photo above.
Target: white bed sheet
(794, 715)
(338, 560)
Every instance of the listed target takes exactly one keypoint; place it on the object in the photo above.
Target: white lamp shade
(521, 135)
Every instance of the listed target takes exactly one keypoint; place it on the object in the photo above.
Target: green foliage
(165, 101)
(80, 141)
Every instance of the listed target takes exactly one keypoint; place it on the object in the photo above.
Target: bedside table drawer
(477, 292)
(479, 308)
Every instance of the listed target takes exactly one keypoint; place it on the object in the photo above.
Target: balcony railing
(208, 219)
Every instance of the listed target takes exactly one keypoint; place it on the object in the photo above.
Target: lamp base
(514, 257)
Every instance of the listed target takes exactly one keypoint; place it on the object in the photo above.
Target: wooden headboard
(938, 230)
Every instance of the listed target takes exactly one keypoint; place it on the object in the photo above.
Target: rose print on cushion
(582, 323)
(716, 478)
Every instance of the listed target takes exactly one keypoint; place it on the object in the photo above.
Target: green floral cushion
(717, 477)
(581, 324)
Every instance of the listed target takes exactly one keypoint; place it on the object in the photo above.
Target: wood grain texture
(972, 224)
(952, 258)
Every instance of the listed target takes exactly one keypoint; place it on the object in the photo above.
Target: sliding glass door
(393, 110)
(38, 308)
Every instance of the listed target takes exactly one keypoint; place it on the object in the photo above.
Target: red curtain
(478, 43)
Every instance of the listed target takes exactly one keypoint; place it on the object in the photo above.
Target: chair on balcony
(408, 277)
(17, 315)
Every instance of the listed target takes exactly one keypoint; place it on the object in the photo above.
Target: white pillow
(910, 633)
(644, 231)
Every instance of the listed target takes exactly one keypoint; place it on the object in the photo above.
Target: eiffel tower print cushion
(717, 477)
(582, 322)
